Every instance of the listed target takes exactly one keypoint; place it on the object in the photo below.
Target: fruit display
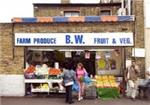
(30, 69)
(54, 71)
(44, 87)
(106, 81)
(42, 70)
(41, 88)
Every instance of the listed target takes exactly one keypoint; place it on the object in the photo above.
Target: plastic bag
(75, 87)
(87, 79)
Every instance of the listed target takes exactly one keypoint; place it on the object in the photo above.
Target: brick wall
(42, 10)
(65, 1)
(10, 62)
(138, 11)
(75, 27)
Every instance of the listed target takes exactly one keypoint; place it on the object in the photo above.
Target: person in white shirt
(143, 88)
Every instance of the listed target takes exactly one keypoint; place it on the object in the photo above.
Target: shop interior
(102, 61)
(96, 62)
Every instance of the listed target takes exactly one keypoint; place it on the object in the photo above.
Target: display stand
(43, 86)
(107, 93)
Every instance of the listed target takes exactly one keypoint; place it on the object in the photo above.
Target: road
(60, 101)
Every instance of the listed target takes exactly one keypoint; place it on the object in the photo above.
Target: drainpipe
(129, 7)
(122, 4)
(134, 30)
(13, 49)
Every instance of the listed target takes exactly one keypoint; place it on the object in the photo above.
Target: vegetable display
(54, 71)
(30, 69)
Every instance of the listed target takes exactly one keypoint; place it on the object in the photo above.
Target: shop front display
(44, 69)
(107, 87)
(108, 61)
(41, 79)
(102, 54)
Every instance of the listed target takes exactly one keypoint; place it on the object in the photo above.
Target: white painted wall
(147, 13)
(147, 32)
(71, 1)
(12, 85)
(147, 47)
(47, 1)
(85, 1)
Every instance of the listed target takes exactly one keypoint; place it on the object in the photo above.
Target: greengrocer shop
(48, 45)
(98, 35)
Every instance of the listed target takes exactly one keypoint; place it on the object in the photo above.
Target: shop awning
(62, 19)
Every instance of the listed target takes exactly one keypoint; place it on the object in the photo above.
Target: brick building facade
(12, 60)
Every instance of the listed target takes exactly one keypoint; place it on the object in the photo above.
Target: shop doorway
(51, 57)
(87, 58)
(96, 61)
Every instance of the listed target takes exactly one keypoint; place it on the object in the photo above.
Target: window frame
(106, 10)
(71, 13)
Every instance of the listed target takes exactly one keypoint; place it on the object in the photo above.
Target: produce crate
(107, 93)
(90, 92)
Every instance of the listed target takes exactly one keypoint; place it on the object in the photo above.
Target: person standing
(81, 72)
(69, 76)
(144, 86)
(148, 74)
(132, 80)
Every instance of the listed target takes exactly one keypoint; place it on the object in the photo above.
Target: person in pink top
(81, 72)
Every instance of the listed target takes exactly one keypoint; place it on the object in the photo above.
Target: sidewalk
(60, 101)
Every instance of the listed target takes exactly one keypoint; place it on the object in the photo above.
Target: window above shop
(105, 12)
(71, 13)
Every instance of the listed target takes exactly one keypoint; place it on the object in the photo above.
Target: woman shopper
(81, 72)
(69, 76)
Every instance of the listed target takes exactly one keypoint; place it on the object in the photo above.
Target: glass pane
(71, 13)
(67, 14)
(108, 62)
(105, 12)
(75, 13)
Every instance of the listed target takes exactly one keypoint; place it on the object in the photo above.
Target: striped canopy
(62, 19)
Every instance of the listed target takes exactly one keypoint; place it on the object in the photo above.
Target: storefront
(98, 35)
(101, 54)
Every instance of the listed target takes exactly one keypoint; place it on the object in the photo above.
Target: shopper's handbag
(69, 83)
(75, 87)
(87, 79)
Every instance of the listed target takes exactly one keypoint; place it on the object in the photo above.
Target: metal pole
(124, 69)
(13, 49)
(129, 7)
(122, 4)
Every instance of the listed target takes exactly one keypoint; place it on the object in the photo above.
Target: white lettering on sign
(74, 39)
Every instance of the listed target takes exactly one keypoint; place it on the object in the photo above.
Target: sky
(15, 8)
(24, 8)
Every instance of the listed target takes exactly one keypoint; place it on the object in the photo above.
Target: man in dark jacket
(69, 76)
